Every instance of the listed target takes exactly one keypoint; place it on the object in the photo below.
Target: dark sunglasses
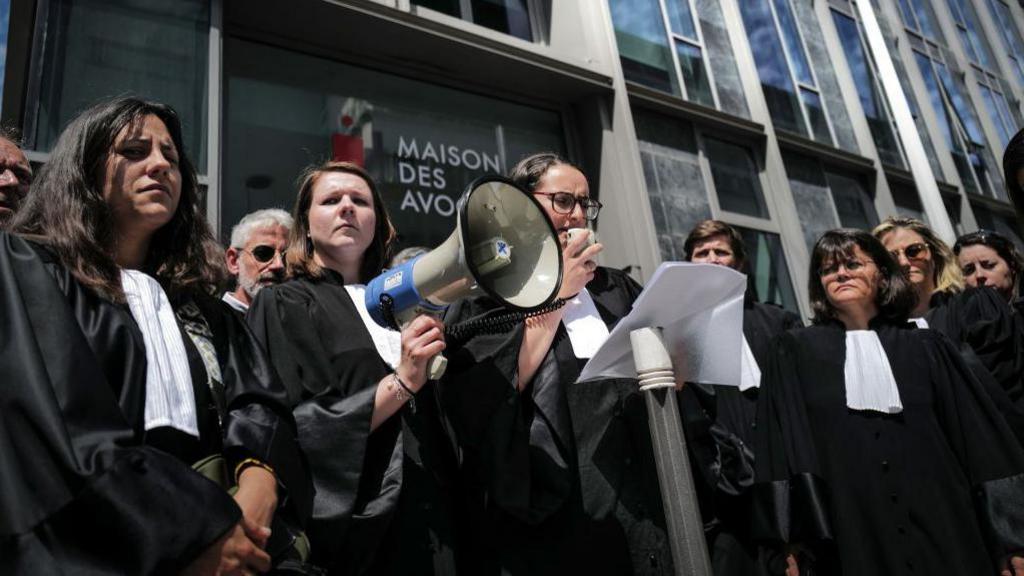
(564, 203)
(912, 252)
(264, 254)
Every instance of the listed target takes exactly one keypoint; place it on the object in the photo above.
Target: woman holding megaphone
(366, 417)
(559, 476)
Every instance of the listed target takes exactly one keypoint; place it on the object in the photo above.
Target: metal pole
(679, 498)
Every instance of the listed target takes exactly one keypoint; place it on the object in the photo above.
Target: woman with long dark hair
(115, 217)
(878, 450)
(365, 410)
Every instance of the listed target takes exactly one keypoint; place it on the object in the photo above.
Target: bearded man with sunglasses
(256, 254)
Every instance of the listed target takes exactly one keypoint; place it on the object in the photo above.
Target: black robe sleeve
(982, 325)
(259, 422)
(790, 503)
(78, 493)
(331, 376)
(985, 447)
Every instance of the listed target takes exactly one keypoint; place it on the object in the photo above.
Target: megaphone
(503, 246)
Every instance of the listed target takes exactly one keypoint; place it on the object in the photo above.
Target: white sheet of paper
(700, 310)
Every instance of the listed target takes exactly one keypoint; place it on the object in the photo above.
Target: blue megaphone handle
(397, 283)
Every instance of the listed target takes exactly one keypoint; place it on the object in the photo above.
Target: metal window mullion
(538, 24)
(678, 74)
(466, 10)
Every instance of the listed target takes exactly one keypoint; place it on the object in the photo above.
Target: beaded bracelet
(403, 392)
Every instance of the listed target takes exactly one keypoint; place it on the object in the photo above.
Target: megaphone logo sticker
(393, 280)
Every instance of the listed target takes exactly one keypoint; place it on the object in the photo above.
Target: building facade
(783, 117)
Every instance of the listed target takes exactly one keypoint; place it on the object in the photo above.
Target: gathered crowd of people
(153, 423)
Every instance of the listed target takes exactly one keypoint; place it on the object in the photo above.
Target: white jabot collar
(870, 384)
(234, 302)
(921, 322)
(387, 342)
(170, 400)
(750, 372)
(587, 331)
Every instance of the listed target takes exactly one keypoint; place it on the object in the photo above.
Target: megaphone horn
(503, 245)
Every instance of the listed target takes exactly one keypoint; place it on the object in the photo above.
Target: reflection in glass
(967, 22)
(868, 90)
(510, 17)
(422, 143)
(946, 120)
(672, 174)
(908, 203)
(93, 49)
(736, 178)
(854, 205)
(1003, 18)
(5, 18)
(680, 18)
(1001, 124)
(816, 115)
(766, 268)
(643, 43)
(691, 65)
(779, 91)
(791, 36)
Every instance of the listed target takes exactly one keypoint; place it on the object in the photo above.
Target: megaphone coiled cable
(495, 321)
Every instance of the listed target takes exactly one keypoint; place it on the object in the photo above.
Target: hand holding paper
(700, 310)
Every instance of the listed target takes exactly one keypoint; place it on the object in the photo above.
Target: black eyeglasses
(912, 252)
(851, 265)
(264, 254)
(564, 203)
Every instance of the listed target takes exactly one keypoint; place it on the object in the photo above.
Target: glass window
(768, 274)
(721, 59)
(997, 222)
(691, 66)
(967, 24)
(854, 205)
(507, 16)
(869, 92)
(97, 48)
(908, 203)
(814, 206)
(735, 176)
(816, 115)
(680, 18)
(794, 47)
(776, 80)
(1003, 18)
(918, 17)
(5, 19)
(954, 141)
(643, 43)
(672, 173)
(422, 143)
(1004, 124)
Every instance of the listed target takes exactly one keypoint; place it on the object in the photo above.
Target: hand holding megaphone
(581, 249)
(422, 343)
(503, 246)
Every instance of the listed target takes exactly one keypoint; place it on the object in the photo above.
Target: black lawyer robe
(559, 478)
(247, 416)
(982, 324)
(79, 492)
(733, 551)
(934, 489)
(383, 499)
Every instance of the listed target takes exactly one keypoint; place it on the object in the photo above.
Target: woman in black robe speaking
(559, 476)
(115, 220)
(366, 417)
(878, 450)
